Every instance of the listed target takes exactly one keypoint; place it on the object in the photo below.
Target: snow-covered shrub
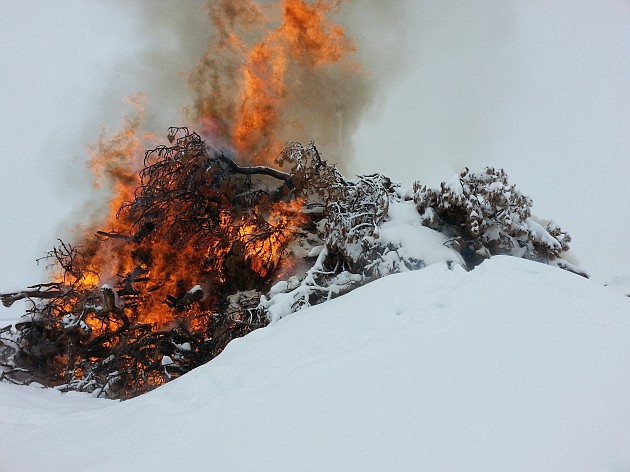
(351, 226)
(352, 251)
(347, 215)
(485, 215)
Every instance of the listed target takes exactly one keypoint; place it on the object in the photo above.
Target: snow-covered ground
(515, 366)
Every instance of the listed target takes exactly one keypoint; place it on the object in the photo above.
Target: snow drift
(513, 366)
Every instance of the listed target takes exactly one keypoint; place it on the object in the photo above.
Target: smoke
(168, 39)
(334, 105)
(447, 110)
(513, 84)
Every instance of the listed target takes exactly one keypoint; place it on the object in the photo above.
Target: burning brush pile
(207, 238)
(209, 250)
(188, 266)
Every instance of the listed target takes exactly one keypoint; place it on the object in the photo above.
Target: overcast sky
(538, 87)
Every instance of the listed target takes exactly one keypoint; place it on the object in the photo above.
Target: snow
(404, 230)
(400, 243)
(621, 284)
(514, 366)
(183, 347)
(541, 234)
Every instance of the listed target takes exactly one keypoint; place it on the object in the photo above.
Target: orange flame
(170, 265)
(264, 249)
(266, 67)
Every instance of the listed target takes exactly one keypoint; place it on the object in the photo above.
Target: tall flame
(269, 62)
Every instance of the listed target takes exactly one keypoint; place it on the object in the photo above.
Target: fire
(260, 50)
(190, 235)
(264, 249)
(269, 67)
(186, 230)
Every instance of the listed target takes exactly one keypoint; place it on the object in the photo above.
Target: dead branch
(9, 299)
(105, 234)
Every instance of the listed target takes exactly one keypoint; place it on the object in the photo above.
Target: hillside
(513, 366)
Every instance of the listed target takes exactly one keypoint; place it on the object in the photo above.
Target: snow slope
(515, 366)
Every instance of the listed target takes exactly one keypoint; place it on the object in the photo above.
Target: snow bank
(514, 366)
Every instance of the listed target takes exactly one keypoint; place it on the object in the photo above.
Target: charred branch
(256, 170)
(187, 300)
(146, 229)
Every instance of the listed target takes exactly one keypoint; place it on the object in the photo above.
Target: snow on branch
(485, 215)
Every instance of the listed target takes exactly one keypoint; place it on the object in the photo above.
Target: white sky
(538, 87)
